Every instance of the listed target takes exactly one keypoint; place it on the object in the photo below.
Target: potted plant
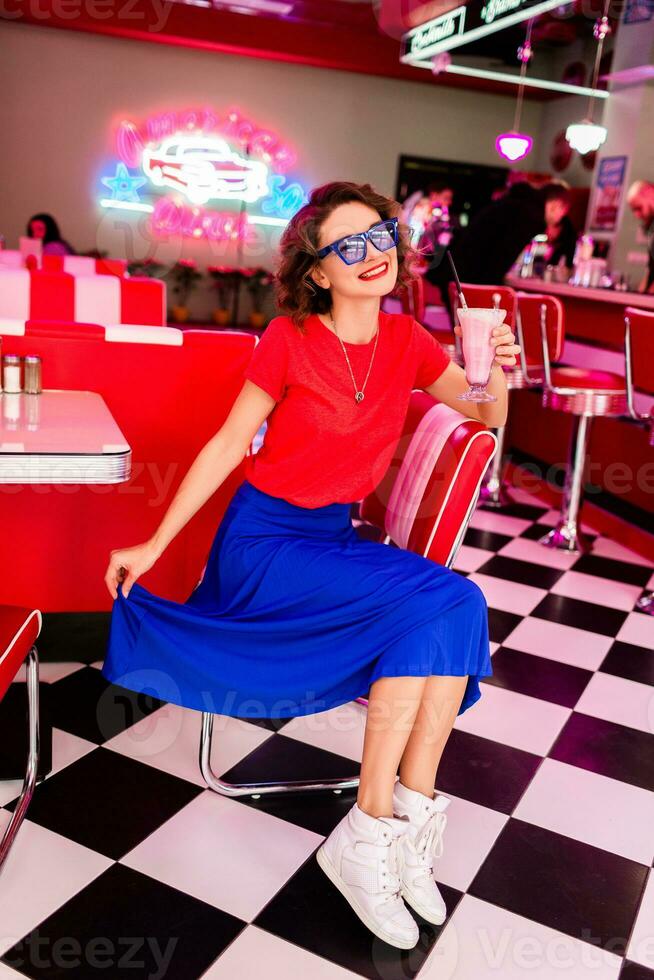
(257, 282)
(184, 276)
(225, 281)
(146, 267)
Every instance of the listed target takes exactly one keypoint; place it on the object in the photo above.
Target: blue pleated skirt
(295, 614)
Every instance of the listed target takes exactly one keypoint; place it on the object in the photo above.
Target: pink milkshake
(477, 326)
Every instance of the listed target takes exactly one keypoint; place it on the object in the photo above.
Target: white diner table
(60, 436)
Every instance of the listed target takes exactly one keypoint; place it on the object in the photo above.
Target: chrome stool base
(646, 604)
(567, 536)
(256, 790)
(495, 495)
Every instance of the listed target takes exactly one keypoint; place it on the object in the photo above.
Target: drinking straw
(462, 298)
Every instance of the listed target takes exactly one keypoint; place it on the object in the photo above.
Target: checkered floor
(127, 866)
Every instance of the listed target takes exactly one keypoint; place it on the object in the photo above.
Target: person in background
(45, 227)
(486, 249)
(561, 233)
(440, 195)
(640, 198)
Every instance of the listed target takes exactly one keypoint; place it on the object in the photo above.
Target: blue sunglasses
(352, 248)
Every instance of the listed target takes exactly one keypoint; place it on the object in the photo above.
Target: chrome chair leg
(567, 535)
(256, 790)
(493, 492)
(32, 671)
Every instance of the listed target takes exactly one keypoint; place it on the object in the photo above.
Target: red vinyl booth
(106, 299)
(168, 401)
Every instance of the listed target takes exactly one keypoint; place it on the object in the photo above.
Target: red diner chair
(413, 300)
(583, 393)
(19, 629)
(494, 492)
(423, 504)
(639, 378)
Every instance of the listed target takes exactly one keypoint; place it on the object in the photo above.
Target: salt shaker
(11, 373)
(32, 383)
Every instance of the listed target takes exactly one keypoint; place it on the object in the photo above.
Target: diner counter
(594, 316)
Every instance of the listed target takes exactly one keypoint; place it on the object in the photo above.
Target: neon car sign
(175, 163)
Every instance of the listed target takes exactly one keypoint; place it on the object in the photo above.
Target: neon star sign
(179, 166)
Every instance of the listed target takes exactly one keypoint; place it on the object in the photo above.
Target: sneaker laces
(428, 842)
(393, 871)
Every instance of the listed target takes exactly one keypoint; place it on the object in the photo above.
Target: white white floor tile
(619, 700)
(485, 942)
(42, 872)
(511, 597)
(487, 520)
(340, 730)
(225, 853)
(470, 559)
(470, 834)
(493, 647)
(514, 719)
(525, 550)
(601, 591)
(256, 953)
(591, 808)
(641, 943)
(6, 973)
(565, 644)
(638, 628)
(169, 739)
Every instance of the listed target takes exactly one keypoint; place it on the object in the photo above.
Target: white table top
(60, 436)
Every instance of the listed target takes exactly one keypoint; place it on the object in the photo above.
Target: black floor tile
(606, 748)
(501, 624)
(538, 677)
(310, 912)
(289, 759)
(526, 512)
(524, 572)
(583, 615)
(634, 971)
(488, 540)
(108, 802)
(485, 772)
(634, 663)
(582, 891)
(85, 704)
(535, 531)
(615, 571)
(124, 925)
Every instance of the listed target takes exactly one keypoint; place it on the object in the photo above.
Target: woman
(296, 613)
(45, 227)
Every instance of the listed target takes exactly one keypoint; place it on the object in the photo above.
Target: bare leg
(393, 703)
(437, 713)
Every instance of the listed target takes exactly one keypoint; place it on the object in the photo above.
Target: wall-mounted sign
(468, 23)
(607, 194)
(180, 166)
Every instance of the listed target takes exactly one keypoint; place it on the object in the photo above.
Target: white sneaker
(422, 844)
(361, 857)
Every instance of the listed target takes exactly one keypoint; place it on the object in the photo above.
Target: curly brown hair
(299, 246)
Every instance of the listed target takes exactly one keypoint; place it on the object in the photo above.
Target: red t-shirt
(321, 446)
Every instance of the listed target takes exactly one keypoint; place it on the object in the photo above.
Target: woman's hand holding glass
(503, 340)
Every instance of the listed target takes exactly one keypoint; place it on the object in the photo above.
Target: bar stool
(412, 298)
(19, 629)
(581, 392)
(639, 375)
(494, 492)
(423, 503)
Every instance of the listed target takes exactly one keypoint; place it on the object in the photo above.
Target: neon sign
(173, 164)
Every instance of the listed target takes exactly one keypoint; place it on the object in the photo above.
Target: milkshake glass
(477, 326)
